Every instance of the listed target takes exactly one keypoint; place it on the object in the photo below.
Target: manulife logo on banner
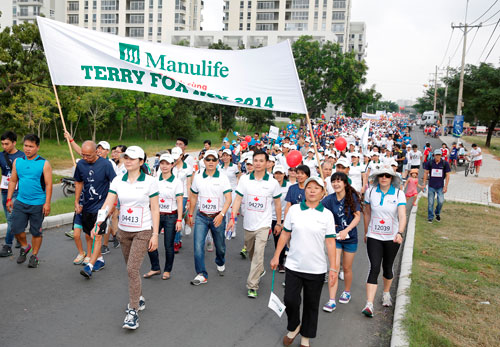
(130, 53)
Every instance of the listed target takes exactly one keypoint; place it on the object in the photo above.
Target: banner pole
(315, 147)
(64, 124)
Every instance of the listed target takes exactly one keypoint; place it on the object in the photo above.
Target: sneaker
(438, 218)
(99, 265)
(429, 220)
(70, 234)
(33, 263)
(244, 253)
(104, 249)
(86, 272)
(18, 244)
(341, 275)
(116, 243)
(330, 306)
(368, 310)
(79, 259)
(6, 251)
(176, 247)
(210, 246)
(23, 253)
(283, 284)
(386, 299)
(199, 279)
(221, 270)
(131, 320)
(252, 293)
(142, 305)
(345, 297)
(281, 268)
(86, 261)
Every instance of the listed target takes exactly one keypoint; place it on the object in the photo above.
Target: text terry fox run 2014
(113, 74)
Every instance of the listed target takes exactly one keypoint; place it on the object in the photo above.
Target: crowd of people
(309, 193)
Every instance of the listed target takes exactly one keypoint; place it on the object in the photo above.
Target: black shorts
(22, 214)
(88, 223)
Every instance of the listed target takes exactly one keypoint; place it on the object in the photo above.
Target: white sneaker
(210, 246)
(341, 275)
(199, 279)
(221, 269)
(386, 299)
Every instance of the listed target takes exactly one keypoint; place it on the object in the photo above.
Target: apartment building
(19, 11)
(357, 39)
(141, 19)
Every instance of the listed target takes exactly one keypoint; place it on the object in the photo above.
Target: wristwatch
(400, 234)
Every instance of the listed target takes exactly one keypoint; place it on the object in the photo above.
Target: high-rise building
(142, 19)
(357, 39)
(19, 11)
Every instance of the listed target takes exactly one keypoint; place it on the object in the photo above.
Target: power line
(492, 48)
(493, 15)
(470, 45)
(487, 43)
(448, 46)
(489, 8)
(456, 50)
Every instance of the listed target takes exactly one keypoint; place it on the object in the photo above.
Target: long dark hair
(350, 192)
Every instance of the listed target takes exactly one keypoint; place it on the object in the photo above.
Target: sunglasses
(385, 175)
(211, 159)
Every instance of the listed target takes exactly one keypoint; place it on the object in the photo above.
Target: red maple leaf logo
(162, 200)
(8, 179)
(256, 199)
(209, 201)
(382, 221)
(130, 210)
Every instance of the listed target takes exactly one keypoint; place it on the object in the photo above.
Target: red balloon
(243, 144)
(248, 138)
(294, 158)
(340, 143)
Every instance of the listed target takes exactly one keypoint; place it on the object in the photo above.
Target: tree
(257, 118)
(97, 105)
(356, 103)
(219, 45)
(426, 103)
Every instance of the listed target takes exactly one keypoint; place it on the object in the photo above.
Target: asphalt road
(55, 306)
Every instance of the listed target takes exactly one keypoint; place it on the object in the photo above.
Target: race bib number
(437, 173)
(166, 204)
(209, 205)
(382, 226)
(131, 216)
(256, 203)
(5, 182)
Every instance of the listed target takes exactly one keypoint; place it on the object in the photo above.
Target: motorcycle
(461, 160)
(68, 186)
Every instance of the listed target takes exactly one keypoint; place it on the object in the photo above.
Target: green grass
(456, 265)
(480, 141)
(63, 205)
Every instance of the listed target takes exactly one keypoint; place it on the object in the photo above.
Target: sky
(407, 39)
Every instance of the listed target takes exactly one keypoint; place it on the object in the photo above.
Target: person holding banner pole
(312, 226)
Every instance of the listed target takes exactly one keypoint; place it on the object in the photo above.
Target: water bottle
(229, 234)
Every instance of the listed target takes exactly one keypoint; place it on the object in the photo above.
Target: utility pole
(435, 88)
(446, 89)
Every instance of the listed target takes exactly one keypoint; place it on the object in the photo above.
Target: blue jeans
(9, 237)
(440, 201)
(167, 223)
(201, 226)
(178, 236)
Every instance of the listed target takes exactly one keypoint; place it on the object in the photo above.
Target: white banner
(263, 78)
(276, 305)
(274, 132)
(369, 116)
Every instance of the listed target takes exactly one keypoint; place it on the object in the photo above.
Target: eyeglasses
(211, 159)
(386, 175)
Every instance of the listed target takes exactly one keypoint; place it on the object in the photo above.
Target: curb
(399, 336)
(48, 223)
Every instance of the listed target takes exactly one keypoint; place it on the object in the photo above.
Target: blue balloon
(226, 139)
(235, 133)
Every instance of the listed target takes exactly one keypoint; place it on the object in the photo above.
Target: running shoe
(176, 247)
(252, 293)
(345, 297)
(244, 253)
(281, 268)
(33, 263)
(330, 306)
(70, 234)
(221, 270)
(6, 251)
(79, 259)
(142, 304)
(86, 272)
(104, 249)
(199, 279)
(438, 218)
(116, 243)
(23, 253)
(386, 299)
(368, 310)
(210, 246)
(341, 275)
(131, 320)
(99, 265)
(86, 261)
(18, 244)
(429, 220)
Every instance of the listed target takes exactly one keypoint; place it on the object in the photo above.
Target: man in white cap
(233, 174)
(213, 190)
(311, 162)
(307, 146)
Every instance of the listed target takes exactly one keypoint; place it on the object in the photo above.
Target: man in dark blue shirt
(438, 173)
(93, 176)
(296, 192)
(7, 157)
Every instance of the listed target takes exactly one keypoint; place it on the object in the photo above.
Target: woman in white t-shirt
(312, 226)
(356, 173)
(138, 223)
(279, 175)
(385, 222)
(477, 157)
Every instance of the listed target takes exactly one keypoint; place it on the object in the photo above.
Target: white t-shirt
(312, 164)
(374, 166)
(169, 190)
(355, 175)
(329, 187)
(211, 190)
(309, 228)
(284, 190)
(135, 213)
(183, 174)
(120, 170)
(413, 157)
(259, 195)
(231, 172)
(474, 152)
(384, 222)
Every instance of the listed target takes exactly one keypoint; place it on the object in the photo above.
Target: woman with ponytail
(345, 205)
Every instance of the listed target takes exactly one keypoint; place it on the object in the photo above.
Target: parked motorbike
(461, 160)
(68, 186)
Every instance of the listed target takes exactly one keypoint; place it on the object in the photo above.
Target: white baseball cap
(176, 153)
(211, 152)
(278, 168)
(227, 151)
(104, 145)
(167, 157)
(355, 154)
(310, 150)
(250, 160)
(343, 161)
(286, 145)
(272, 158)
(316, 179)
(294, 147)
(134, 152)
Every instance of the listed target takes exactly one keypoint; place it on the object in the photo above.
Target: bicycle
(469, 168)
